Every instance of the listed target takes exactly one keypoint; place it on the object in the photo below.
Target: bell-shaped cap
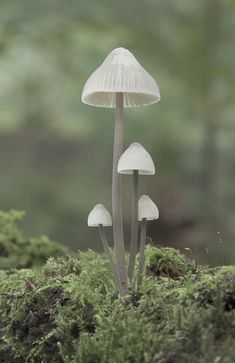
(136, 158)
(120, 72)
(99, 215)
(147, 209)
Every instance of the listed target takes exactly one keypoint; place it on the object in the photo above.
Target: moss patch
(20, 251)
(69, 312)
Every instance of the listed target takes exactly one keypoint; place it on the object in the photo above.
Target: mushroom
(100, 217)
(120, 82)
(147, 211)
(135, 160)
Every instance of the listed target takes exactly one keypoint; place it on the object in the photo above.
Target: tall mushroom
(100, 217)
(120, 82)
(135, 160)
(147, 211)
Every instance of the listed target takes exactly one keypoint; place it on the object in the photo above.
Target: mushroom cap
(147, 209)
(120, 72)
(99, 215)
(136, 158)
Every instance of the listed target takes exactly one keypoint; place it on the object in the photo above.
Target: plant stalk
(111, 260)
(134, 225)
(142, 245)
(117, 193)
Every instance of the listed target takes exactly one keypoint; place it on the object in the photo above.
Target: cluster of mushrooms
(122, 82)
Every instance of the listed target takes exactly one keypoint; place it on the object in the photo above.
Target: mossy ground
(69, 311)
(20, 251)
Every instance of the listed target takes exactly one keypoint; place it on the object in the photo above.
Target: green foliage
(20, 251)
(69, 312)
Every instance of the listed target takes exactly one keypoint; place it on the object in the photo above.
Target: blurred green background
(56, 153)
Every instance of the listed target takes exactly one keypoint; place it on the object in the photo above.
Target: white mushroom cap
(136, 158)
(120, 72)
(147, 209)
(99, 215)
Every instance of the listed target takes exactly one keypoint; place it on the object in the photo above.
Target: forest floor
(67, 309)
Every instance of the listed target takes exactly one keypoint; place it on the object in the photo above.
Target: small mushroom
(147, 211)
(100, 217)
(120, 72)
(135, 160)
(120, 82)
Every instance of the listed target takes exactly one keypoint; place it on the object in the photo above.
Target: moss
(167, 262)
(20, 251)
(69, 312)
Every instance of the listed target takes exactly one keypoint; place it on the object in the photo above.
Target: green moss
(20, 251)
(70, 312)
(167, 262)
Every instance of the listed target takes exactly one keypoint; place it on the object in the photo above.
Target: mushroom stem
(117, 193)
(142, 245)
(134, 224)
(111, 260)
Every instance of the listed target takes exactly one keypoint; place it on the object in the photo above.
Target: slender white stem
(111, 260)
(117, 193)
(142, 245)
(134, 225)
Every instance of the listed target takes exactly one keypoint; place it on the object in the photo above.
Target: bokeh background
(56, 153)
